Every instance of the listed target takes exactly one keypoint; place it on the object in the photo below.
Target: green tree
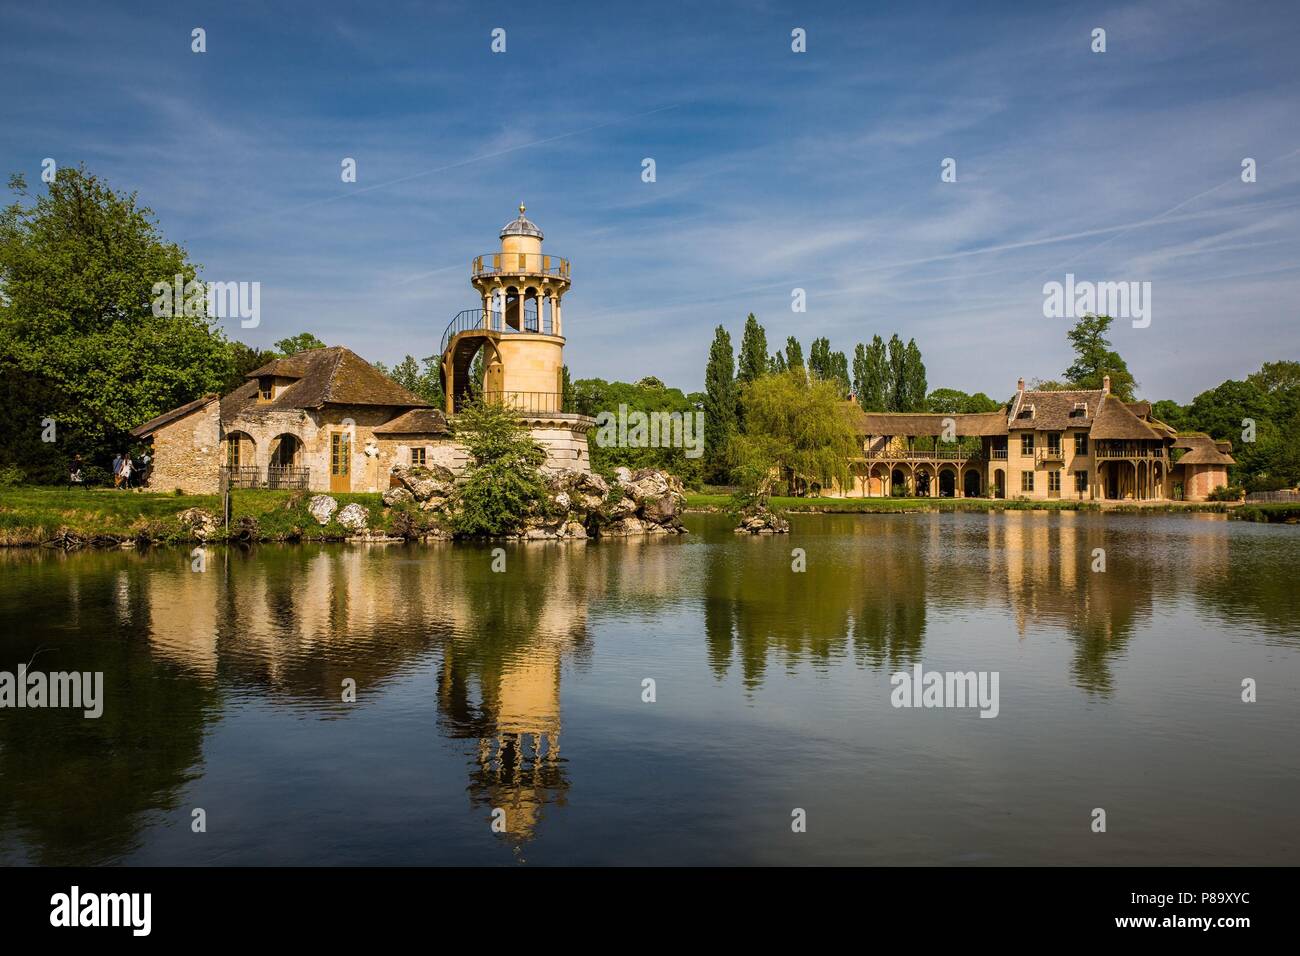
(793, 353)
(78, 333)
(952, 401)
(753, 360)
(502, 484)
(302, 342)
(1094, 359)
(896, 399)
(423, 382)
(776, 365)
(794, 429)
(819, 358)
(871, 375)
(914, 377)
(595, 396)
(242, 360)
(719, 404)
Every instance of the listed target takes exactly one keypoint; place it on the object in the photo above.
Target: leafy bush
(1227, 493)
(502, 485)
(10, 476)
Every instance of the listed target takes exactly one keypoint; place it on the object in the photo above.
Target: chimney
(1020, 385)
(1105, 385)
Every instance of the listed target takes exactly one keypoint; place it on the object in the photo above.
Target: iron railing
(519, 263)
(275, 476)
(288, 477)
(241, 476)
(493, 321)
(529, 401)
(1285, 495)
(1050, 454)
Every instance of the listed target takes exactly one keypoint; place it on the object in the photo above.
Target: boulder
(762, 521)
(322, 508)
(354, 516)
(424, 483)
(399, 495)
(198, 523)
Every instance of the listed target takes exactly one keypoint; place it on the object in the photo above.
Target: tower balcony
(485, 321)
(520, 264)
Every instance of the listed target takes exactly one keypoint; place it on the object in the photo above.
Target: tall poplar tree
(914, 373)
(753, 360)
(896, 380)
(719, 404)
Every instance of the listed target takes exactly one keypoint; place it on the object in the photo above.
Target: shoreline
(104, 518)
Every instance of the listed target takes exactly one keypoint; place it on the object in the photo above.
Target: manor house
(1082, 444)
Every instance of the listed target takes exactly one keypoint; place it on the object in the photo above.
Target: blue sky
(775, 170)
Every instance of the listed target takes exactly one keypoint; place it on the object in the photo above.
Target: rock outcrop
(762, 521)
(354, 517)
(577, 505)
(198, 524)
(322, 508)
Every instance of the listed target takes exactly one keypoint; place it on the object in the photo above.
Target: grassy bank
(706, 502)
(101, 516)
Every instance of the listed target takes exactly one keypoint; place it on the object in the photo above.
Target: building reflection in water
(283, 627)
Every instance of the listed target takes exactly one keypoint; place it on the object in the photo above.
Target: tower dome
(521, 227)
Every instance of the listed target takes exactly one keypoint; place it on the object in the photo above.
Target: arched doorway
(947, 483)
(284, 469)
(971, 484)
(923, 482)
(898, 483)
(999, 483)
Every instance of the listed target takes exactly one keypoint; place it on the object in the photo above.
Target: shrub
(10, 475)
(502, 485)
(1227, 493)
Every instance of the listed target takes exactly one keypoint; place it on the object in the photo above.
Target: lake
(502, 717)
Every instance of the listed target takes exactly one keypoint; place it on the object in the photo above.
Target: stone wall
(187, 453)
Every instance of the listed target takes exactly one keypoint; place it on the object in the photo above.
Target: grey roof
(328, 376)
(521, 227)
(166, 418)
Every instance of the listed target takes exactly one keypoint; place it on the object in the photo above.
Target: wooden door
(340, 461)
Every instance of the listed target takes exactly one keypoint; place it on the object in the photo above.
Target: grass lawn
(31, 515)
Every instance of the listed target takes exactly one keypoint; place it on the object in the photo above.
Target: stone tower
(519, 332)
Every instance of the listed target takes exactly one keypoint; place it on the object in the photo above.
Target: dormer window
(1080, 410)
(265, 388)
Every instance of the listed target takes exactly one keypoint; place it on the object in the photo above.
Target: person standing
(127, 469)
(75, 477)
(117, 470)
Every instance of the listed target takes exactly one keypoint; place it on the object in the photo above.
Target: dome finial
(521, 209)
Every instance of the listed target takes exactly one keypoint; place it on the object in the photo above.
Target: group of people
(125, 469)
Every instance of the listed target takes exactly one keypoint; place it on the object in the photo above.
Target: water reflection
(483, 656)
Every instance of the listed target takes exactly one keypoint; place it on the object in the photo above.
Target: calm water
(523, 691)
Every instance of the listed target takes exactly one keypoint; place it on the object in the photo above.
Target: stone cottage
(324, 420)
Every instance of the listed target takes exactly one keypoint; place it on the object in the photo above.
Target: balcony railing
(519, 263)
(530, 402)
(275, 476)
(1122, 451)
(493, 321)
(920, 454)
(1050, 454)
(998, 454)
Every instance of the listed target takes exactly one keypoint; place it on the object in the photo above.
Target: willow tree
(794, 427)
